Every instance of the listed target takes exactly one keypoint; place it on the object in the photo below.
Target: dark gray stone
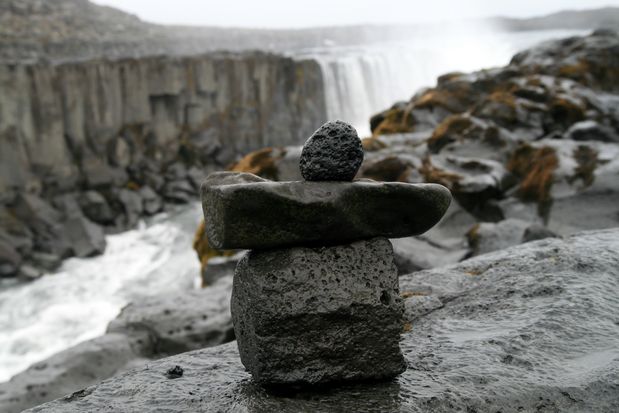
(313, 316)
(131, 204)
(96, 208)
(536, 232)
(488, 236)
(243, 211)
(332, 153)
(415, 254)
(179, 191)
(151, 202)
(85, 237)
(10, 260)
(528, 329)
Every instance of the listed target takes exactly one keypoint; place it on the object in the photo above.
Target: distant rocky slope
(530, 328)
(69, 30)
(536, 140)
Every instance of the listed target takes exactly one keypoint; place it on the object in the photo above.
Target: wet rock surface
(530, 328)
(264, 214)
(310, 316)
(145, 330)
(332, 153)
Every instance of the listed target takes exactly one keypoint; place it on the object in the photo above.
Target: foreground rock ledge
(531, 328)
(319, 315)
(243, 211)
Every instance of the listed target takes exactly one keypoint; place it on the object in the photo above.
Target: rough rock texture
(535, 140)
(244, 211)
(531, 328)
(145, 330)
(313, 316)
(133, 133)
(332, 153)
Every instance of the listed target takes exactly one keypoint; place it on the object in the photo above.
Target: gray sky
(304, 13)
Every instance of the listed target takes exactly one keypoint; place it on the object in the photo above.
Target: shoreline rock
(492, 333)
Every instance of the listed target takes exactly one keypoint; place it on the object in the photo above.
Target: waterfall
(362, 81)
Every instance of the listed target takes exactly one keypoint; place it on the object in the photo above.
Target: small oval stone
(332, 153)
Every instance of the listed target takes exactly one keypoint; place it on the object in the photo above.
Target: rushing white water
(360, 82)
(76, 303)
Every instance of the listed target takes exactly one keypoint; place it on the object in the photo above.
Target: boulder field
(530, 328)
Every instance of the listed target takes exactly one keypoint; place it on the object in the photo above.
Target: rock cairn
(316, 299)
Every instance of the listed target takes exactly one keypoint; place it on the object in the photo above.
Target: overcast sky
(304, 13)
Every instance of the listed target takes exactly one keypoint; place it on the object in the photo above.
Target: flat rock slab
(532, 328)
(318, 315)
(243, 211)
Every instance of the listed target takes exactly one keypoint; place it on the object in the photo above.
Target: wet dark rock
(264, 214)
(85, 238)
(131, 204)
(96, 208)
(180, 191)
(332, 153)
(537, 232)
(151, 202)
(290, 305)
(10, 260)
(415, 254)
(45, 261)
(590, 130)
(489, 236)
(493, 333)
(29, 272)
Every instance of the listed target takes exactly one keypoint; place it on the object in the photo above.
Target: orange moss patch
(566, 112)
(407, 327)
(204, 250)
(535, 167)
(448, 131)
(262, 162)
(472, 236)
(409, 294)
(499, 106)
(394, 121)
(390, 169)
(432, 174)
(579, 72)
(587, 159)
(372, 144)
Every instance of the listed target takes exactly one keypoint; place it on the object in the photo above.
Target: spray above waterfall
(361, 81)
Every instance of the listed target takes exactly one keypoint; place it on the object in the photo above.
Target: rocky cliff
(107, 140)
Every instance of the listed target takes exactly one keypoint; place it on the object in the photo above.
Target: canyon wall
(72, 125)
(87, 148)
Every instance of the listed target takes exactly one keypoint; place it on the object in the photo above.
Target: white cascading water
(76, 303)
(360, 82)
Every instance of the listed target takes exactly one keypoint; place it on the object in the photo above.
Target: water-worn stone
(318, 315)
(332, 153)
(528, 329)
(243, 211)
(148, 328)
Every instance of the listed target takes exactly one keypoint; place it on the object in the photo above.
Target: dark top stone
(243, 211)
(332, 153)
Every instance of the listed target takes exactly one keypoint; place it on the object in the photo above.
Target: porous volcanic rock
(531, 328)
(243, 211)
(332, 153)
(318, 315)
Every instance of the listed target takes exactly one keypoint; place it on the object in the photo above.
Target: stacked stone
(316, 299)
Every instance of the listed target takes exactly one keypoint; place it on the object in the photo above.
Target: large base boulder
(317, 315)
